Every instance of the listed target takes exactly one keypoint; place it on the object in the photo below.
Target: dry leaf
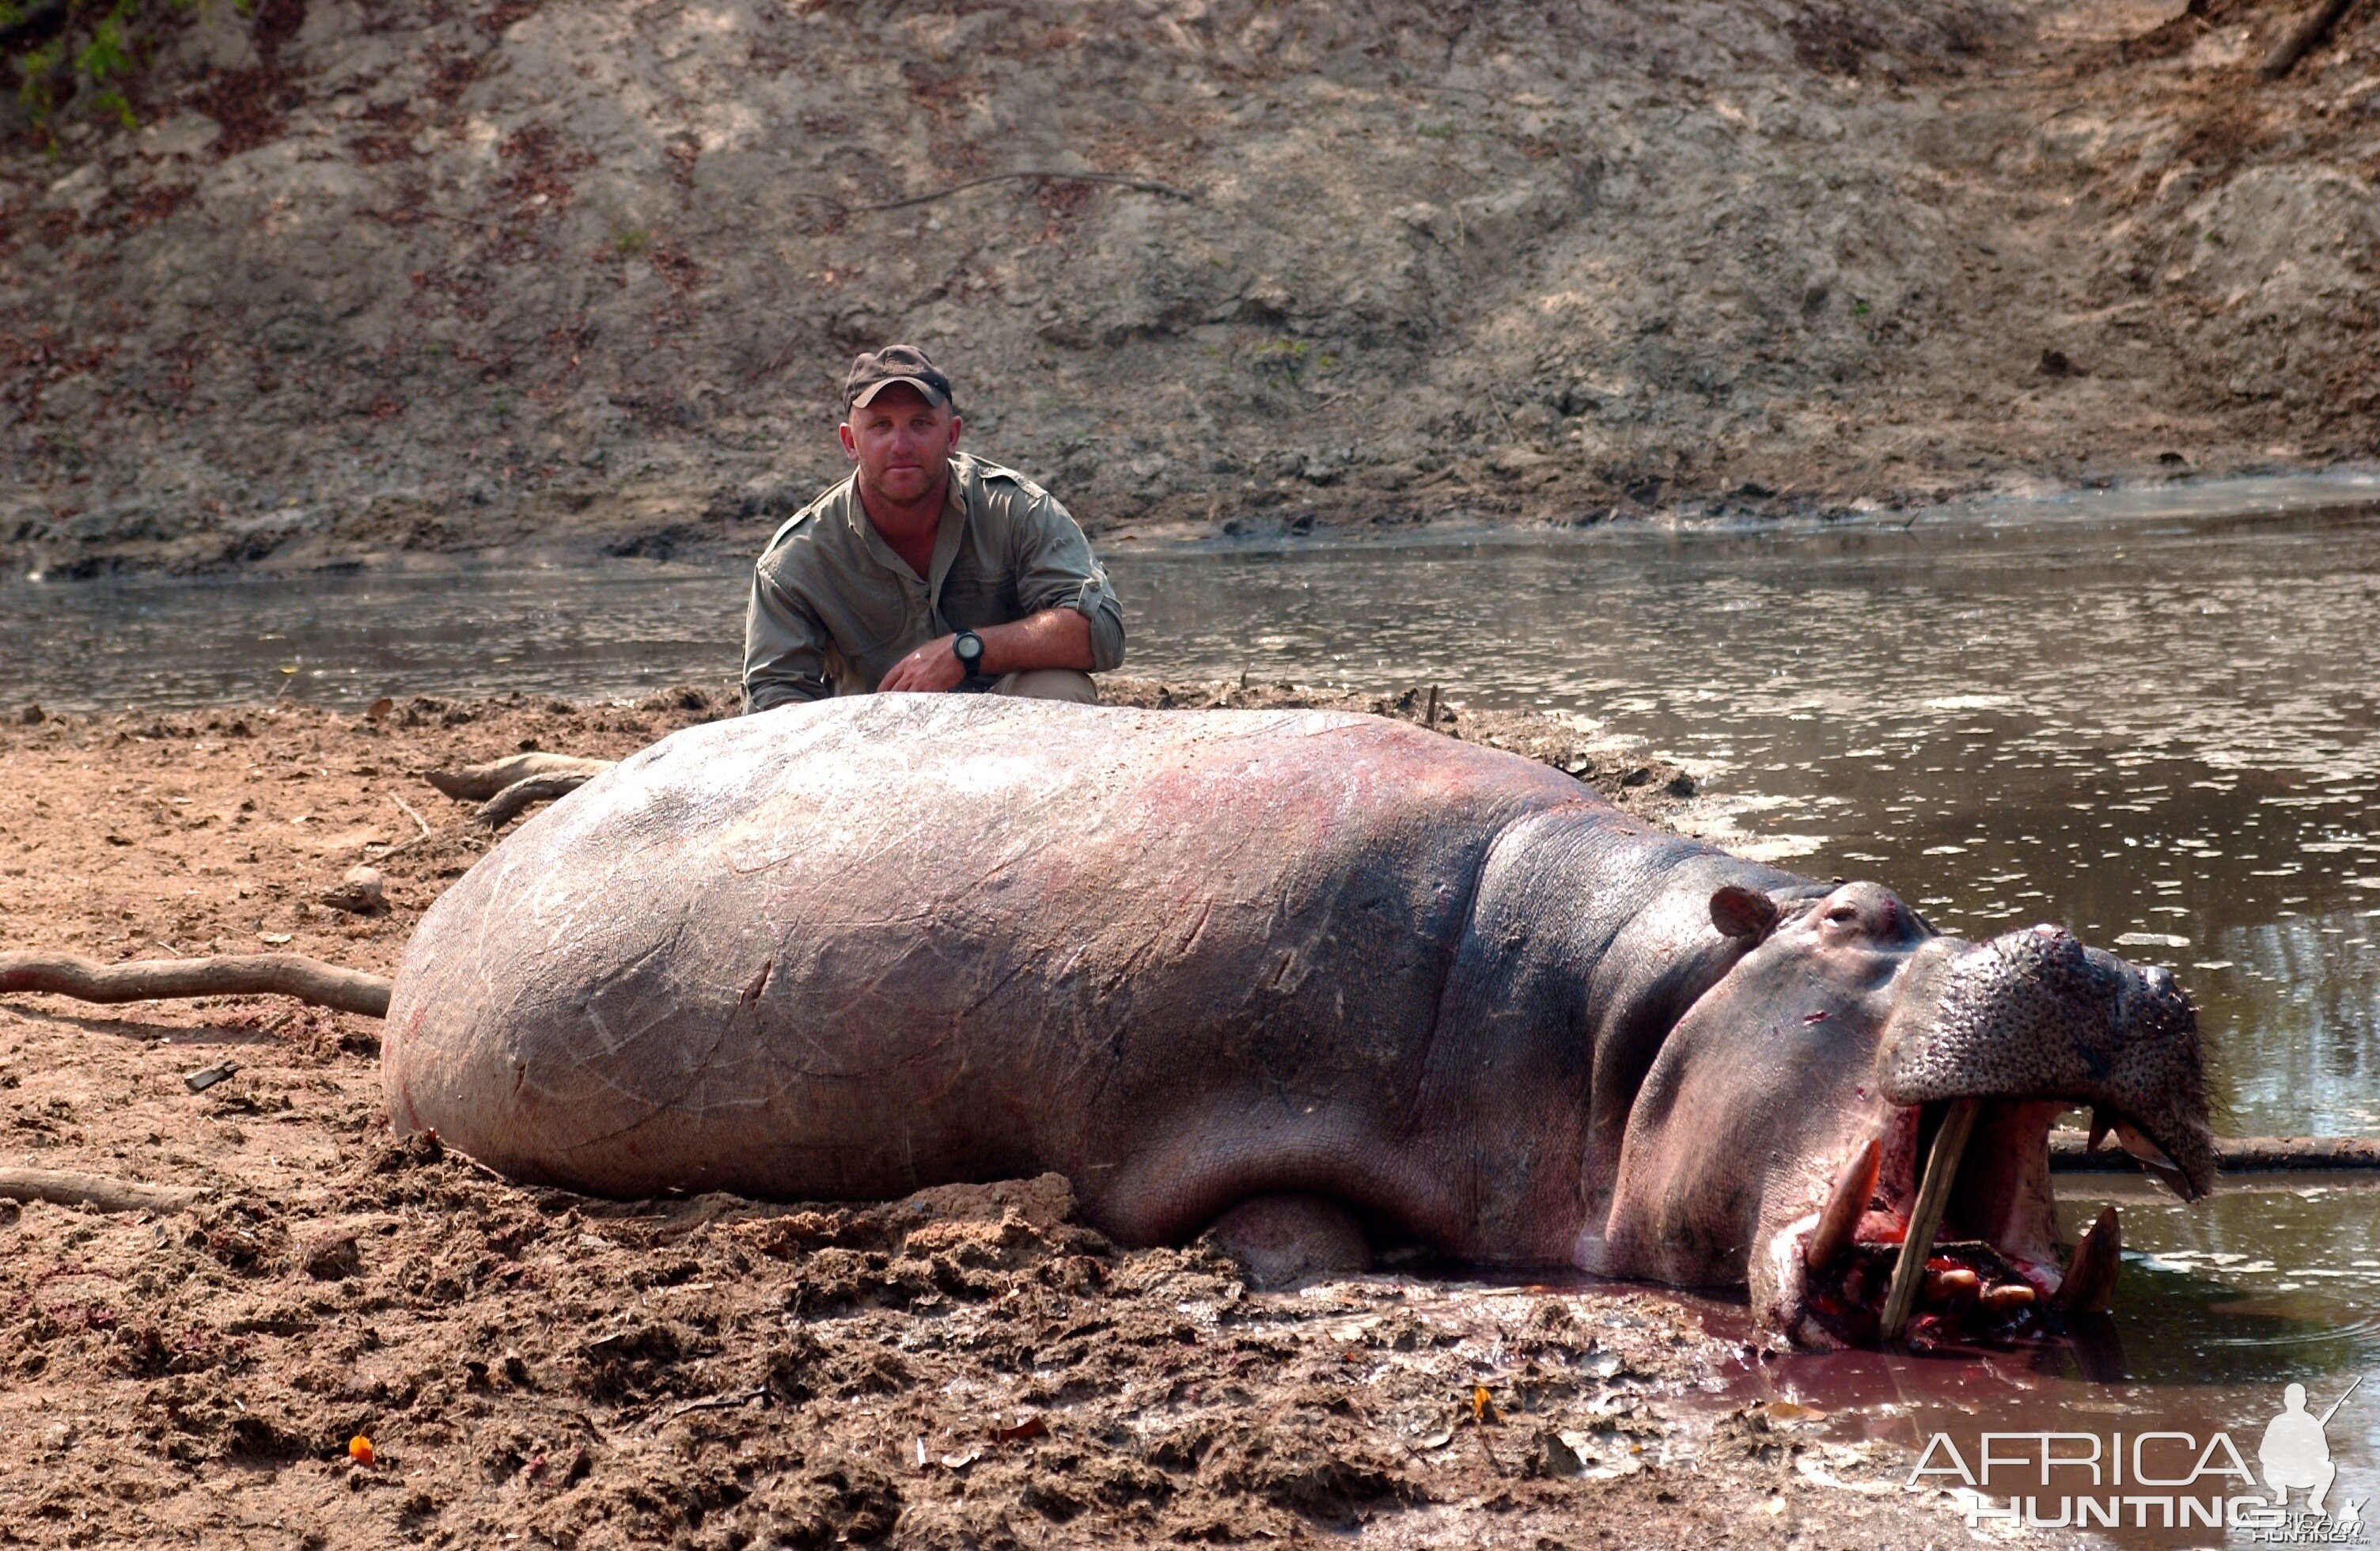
(1790, 1411)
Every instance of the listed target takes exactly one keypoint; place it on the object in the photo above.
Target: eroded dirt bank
(376, 275)
(540, 1367)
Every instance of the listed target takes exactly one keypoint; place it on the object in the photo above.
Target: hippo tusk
(2090, 1284)
(1845, 1207)
(2100, 1126)
(2153, 1160)
(1925, 1218)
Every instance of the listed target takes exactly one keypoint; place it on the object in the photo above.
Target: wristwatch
(967, 646)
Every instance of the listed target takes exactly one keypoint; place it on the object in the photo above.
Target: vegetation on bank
(83, 56)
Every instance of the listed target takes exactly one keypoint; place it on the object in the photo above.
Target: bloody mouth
(1993, 1270)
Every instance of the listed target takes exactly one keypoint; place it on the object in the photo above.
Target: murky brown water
(2164, 735)
(2160, 727)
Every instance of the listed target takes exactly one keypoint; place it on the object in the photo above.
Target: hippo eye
(1842, 915)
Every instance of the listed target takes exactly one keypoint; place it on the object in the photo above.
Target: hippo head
(1786, 1131)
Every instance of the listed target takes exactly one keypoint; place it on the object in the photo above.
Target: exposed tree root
(477, 783)
(2310, 30)
(289, 975)
(506, 804)
(63, 1189)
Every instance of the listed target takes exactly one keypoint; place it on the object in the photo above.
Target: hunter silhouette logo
(2296, 1451)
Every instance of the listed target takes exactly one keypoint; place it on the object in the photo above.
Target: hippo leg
(1285, 1240)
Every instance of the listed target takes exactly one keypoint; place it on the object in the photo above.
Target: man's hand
(1052, 638)
(932, 669)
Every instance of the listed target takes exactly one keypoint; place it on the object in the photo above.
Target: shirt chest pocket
(971, 600)
(872, 621)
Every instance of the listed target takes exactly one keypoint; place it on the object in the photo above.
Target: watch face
(969, 649)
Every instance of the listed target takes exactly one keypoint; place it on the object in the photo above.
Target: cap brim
(931, 394)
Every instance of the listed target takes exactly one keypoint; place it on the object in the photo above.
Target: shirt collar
(946, 535)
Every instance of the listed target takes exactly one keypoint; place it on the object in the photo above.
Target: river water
(2154, 718)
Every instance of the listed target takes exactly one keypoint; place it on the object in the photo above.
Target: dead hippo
(1204, 962)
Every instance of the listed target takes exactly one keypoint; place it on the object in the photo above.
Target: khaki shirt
(833, 608)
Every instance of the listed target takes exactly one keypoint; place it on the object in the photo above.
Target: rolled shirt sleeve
(1055, 569)
(785, 647)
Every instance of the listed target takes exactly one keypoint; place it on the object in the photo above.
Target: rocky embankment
(372, 276)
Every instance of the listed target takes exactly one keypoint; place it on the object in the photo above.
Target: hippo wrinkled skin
(1198, 960)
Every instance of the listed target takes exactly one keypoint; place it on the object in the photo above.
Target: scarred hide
(1189, 960)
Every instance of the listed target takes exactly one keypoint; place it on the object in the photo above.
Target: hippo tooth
(2006, 1297)
(1847, 1203)
(1925, 1217)
(2100, 1126)
(2153, 1160)
(2139, 1146)
(2090, 1284)
(1953, 1285)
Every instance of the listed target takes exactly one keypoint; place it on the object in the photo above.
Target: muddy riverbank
(531, 1366)
(371, 278)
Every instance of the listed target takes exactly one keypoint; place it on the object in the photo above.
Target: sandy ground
(373, 276)
(969, 1367)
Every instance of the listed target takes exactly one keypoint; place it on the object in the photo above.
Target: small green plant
(635, 240)
(1289, 359)
(81, 52)
(1435, 131)
(1861, 309)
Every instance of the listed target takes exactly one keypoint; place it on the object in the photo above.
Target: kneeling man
(927, 569)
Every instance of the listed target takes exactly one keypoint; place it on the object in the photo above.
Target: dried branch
(418, 823)
(2070, 1152)
(477, 783)
(62, 1189)
(288, 975)
(506, 804)
(1147, 186)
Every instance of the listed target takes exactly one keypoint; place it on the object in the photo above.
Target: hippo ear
(1737, 911)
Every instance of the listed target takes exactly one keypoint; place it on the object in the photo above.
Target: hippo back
(854, 948)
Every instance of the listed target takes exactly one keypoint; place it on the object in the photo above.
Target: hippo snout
(2037, 1016)
(1984, 1047)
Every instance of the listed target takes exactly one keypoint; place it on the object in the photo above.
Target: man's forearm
(1052, 638)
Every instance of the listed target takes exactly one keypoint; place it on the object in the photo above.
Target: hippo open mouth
(1994, 1269)
(2001, 1040)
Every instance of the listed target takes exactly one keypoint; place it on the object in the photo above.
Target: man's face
(901, 442)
